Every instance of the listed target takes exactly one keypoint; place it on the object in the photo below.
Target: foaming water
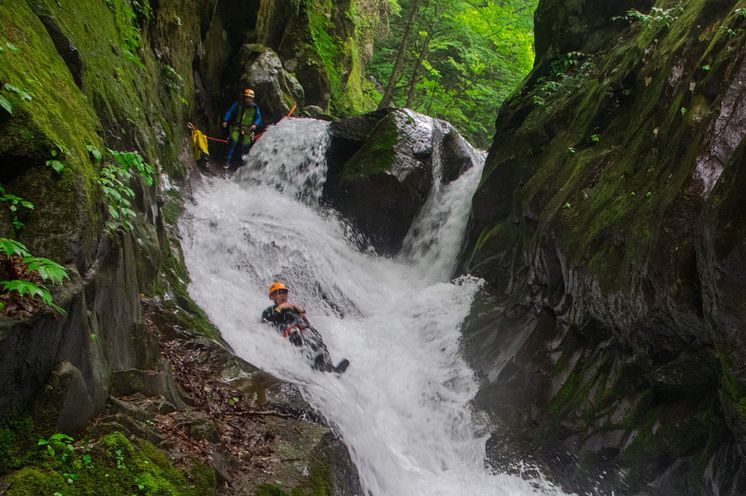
(434, 240)
(404, 406)
(276, 161)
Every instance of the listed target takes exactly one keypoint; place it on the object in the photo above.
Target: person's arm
(229, 114)
(290, 306)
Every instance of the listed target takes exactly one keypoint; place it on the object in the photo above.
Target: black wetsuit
(297, 329)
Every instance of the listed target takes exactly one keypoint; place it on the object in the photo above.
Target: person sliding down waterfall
(290, 320)
(241, 119)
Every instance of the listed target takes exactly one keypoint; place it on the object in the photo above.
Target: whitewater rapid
(404, 406)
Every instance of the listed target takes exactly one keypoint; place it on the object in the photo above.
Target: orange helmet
(248, 92)
(276, 286)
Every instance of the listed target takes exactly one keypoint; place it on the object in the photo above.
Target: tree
(467, 56)
(399, 64)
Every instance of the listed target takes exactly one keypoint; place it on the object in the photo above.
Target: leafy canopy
(463, 58)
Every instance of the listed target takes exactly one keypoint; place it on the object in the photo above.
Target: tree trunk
(416, 69)
(389, 93)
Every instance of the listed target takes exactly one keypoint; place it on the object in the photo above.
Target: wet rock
(276, 89)
(457, 156)
(154, 382)
(141, 407)
(642, 274)
(690, 372)
(65, 401)
(382, 186)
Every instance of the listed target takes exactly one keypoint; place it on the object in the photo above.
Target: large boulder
(381, 186)
(381, 170)
(276, 89)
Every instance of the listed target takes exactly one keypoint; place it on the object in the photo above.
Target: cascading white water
(403, 407)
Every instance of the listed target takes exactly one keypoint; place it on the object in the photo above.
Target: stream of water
(404, 406)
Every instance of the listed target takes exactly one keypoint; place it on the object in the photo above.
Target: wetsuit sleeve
(269, 315)
(257, 117)
(229, 113)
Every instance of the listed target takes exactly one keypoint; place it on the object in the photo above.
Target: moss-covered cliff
(606, 226)
(76, 79)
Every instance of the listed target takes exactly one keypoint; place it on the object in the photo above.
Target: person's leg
(245, 146)
(232, 143)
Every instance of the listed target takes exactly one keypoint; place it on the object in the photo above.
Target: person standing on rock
(290, 320)
(241, 119)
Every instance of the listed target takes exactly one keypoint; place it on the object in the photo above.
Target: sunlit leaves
(477, 55)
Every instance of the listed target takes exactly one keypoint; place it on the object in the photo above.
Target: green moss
(41, 124)
(173, 207)
(35, 482)
(121, 79)
(377, 154)
(340, 56)
(116, 468)
(18, 438)
(567, 395)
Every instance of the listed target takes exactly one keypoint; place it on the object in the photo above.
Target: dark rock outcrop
(606, 225)
(379, 173)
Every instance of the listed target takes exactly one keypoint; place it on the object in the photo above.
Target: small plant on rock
(23, 274)
(14, 203)
(657, 18)
(115, 179)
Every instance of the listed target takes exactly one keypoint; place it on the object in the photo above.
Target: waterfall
(404, 406)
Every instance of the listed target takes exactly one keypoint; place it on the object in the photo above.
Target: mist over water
(404, 406)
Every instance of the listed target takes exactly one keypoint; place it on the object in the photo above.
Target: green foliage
(567, 73)
(115, 179)
(473, 56)
(130, 160)
(23, 94)
(6, 105)
(59, 446)
(44, 268)
(56, 154)
(14, 203)
(657, 18)
(112, 465)
(95, 153)
(174, 81)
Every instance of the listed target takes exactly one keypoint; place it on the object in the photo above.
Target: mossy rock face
(65, 220)
(609, 200)
(327, 45)
(382, 186)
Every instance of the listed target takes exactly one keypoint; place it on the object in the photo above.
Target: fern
(44, 268)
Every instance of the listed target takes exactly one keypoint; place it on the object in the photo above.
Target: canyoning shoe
(342, 366)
